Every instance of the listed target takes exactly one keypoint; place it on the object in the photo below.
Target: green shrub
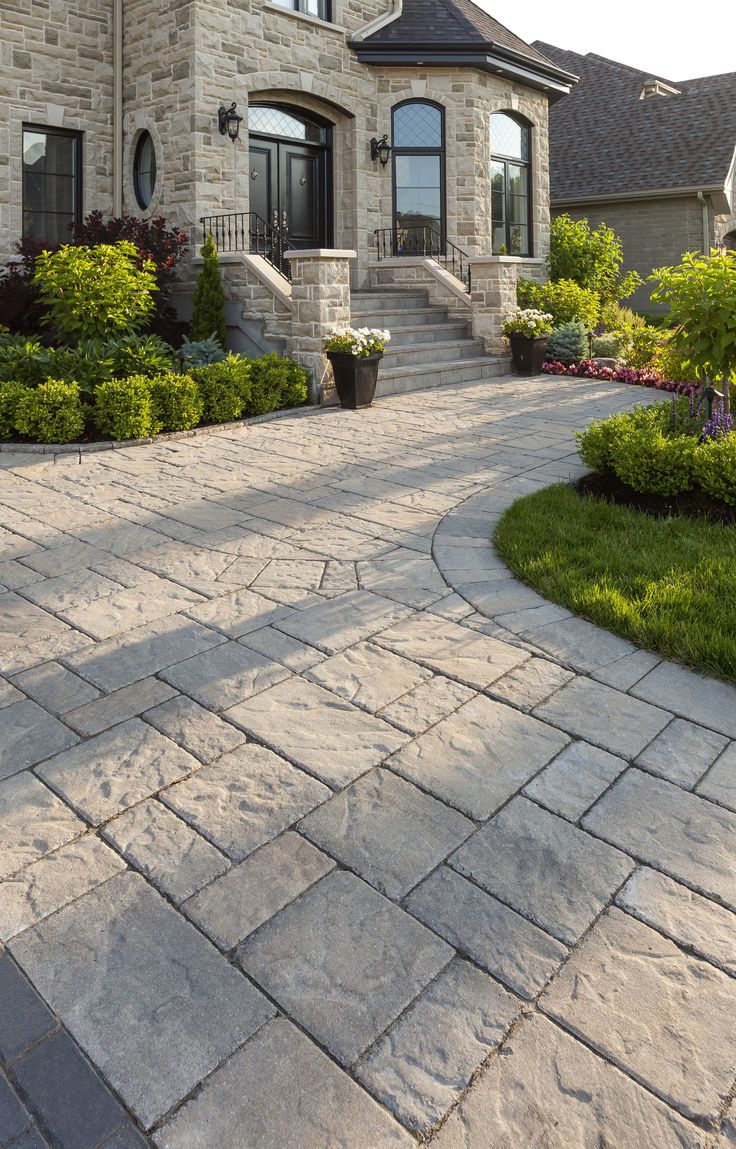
(11, 393)
(139, 355)
(177, 402)
(24, 361)
(124, 408)
(591, 257)
(643, 344)
(715, 468)
(564, 300)
(93, 292)
(208, 305)
(652, 462)
(568, 343)
(276, 383)
(596, 444)
(608, 346)
(51, 412)
(614, 317)
(224, 389)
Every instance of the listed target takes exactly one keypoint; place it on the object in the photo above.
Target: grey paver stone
(627, 671)
(148, 985)
(224, 676)
(235, 905)
(14, 1117)
(720, 781)
(199, 731)
(344, 962)
(297, 656)
(317, 730)
(67, 555)
(27, 735)
(33, 822)
(452, 649)
(550, 1092)
(129, 608)
(281, 1092)
(344, 620)
(52, 882)
(617, 722)
(694, 696)
(679, 833)
(128, 702)
(575, 779)
(685, 1049)
(70, 590)
(479, 756)
(580, 643)
(503, 942)
(245, 799)
(120, 661)
(8, 694)
(531, 683)
(166, 850)
(15, 575)
(55, 688)
(682, 752)
(423, 1063)
(551, 872)
(689, 919)
(426, 704)
(114, 770)
(497, 595)
(368, 675)
(239, 612)
(24, 1019)
(387, 831)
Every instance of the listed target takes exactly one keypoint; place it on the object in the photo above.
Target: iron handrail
(247, 231)
(426, 241)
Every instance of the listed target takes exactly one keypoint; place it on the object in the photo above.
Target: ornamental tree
(591, 257)
(95, 292)
(208, 305)
(701, 295)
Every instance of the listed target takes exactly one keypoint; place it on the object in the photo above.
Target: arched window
(418, 148)
(510, 185)
(144, 170)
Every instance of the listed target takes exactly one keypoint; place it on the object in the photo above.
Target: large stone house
(383, 143)
(654, 158)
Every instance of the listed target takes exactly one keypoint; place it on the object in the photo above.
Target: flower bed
(637, 376)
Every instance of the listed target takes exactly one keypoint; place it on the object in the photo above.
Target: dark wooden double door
(289, 190)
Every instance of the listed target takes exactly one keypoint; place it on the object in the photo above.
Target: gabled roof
(607, 141)
(459, 32)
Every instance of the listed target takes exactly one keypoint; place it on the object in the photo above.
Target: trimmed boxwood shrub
(51, 412)
(177, 402)
(654, 463)
(596, 444)
(11, 393)
(124, 408)
(224, 389)
(715, 468)
(276, 383)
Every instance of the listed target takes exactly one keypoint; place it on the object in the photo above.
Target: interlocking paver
(369, 676)
(685, 1051)
(451, 649)
(619, 723)
(720, 781)
(343, 621)
(682, 752)
(693, 696)
(152, 1002)
(24, 1019)
(196, 729)
(112, 709)
(220, 678)
(344, 962)
(575, 779)
(33, 822)
(56, 688)
(27, 735)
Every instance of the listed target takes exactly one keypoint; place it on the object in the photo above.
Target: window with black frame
(322, 9)
(418, 148)
(510, 184)
(144, 170)
(52, 183)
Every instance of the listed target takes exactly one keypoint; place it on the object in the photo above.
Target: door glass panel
(272, 121)
(417, 126)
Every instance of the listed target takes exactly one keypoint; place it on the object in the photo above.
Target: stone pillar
(492, 298)
(320, 299)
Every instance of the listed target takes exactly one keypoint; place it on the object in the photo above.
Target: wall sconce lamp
(229, 121)
(380, 149)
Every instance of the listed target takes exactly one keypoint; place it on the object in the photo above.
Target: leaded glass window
(418, 146)
(510, 185)
(270, 120)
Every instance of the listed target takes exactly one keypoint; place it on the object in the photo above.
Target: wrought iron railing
(428, 242)
(246, 231)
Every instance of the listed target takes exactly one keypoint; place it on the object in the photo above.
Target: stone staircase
(429, 346)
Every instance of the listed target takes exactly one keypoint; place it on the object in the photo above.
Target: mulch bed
(692, 504)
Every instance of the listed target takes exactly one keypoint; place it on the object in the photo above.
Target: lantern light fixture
(380, 149)
(229, 121)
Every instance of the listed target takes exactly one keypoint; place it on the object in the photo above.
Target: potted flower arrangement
(527, 331)
(355, 355)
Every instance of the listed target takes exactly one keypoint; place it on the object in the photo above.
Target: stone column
(494, 294)
(320, 299)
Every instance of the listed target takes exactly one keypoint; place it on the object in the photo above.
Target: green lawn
(667, 584)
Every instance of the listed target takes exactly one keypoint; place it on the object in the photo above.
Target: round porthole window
(144, 170)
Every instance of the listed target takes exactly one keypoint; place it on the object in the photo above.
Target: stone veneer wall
(55, 71)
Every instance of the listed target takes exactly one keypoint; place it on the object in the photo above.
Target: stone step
(451, 351)
(439, 333)
(399, 317)
(399, 380)
(386, 300)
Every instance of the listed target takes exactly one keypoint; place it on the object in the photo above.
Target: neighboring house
(655, 159)
(113, 104)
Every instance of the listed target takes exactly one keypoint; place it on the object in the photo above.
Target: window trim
(499, 158)
(299, 8)
(144, 135)
(440, 151)
(78, 198)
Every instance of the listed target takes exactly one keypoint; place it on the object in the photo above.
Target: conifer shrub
(208, 305)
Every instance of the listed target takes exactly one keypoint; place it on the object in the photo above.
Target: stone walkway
(318, 830)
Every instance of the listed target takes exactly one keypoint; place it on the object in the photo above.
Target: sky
(664, 38)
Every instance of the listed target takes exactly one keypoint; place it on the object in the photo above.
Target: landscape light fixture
(229, 121)
(380, 149)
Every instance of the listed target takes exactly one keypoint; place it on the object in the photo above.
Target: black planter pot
(527, 353)
(355, 379)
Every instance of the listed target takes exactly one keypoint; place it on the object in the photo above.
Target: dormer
(657, 88)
